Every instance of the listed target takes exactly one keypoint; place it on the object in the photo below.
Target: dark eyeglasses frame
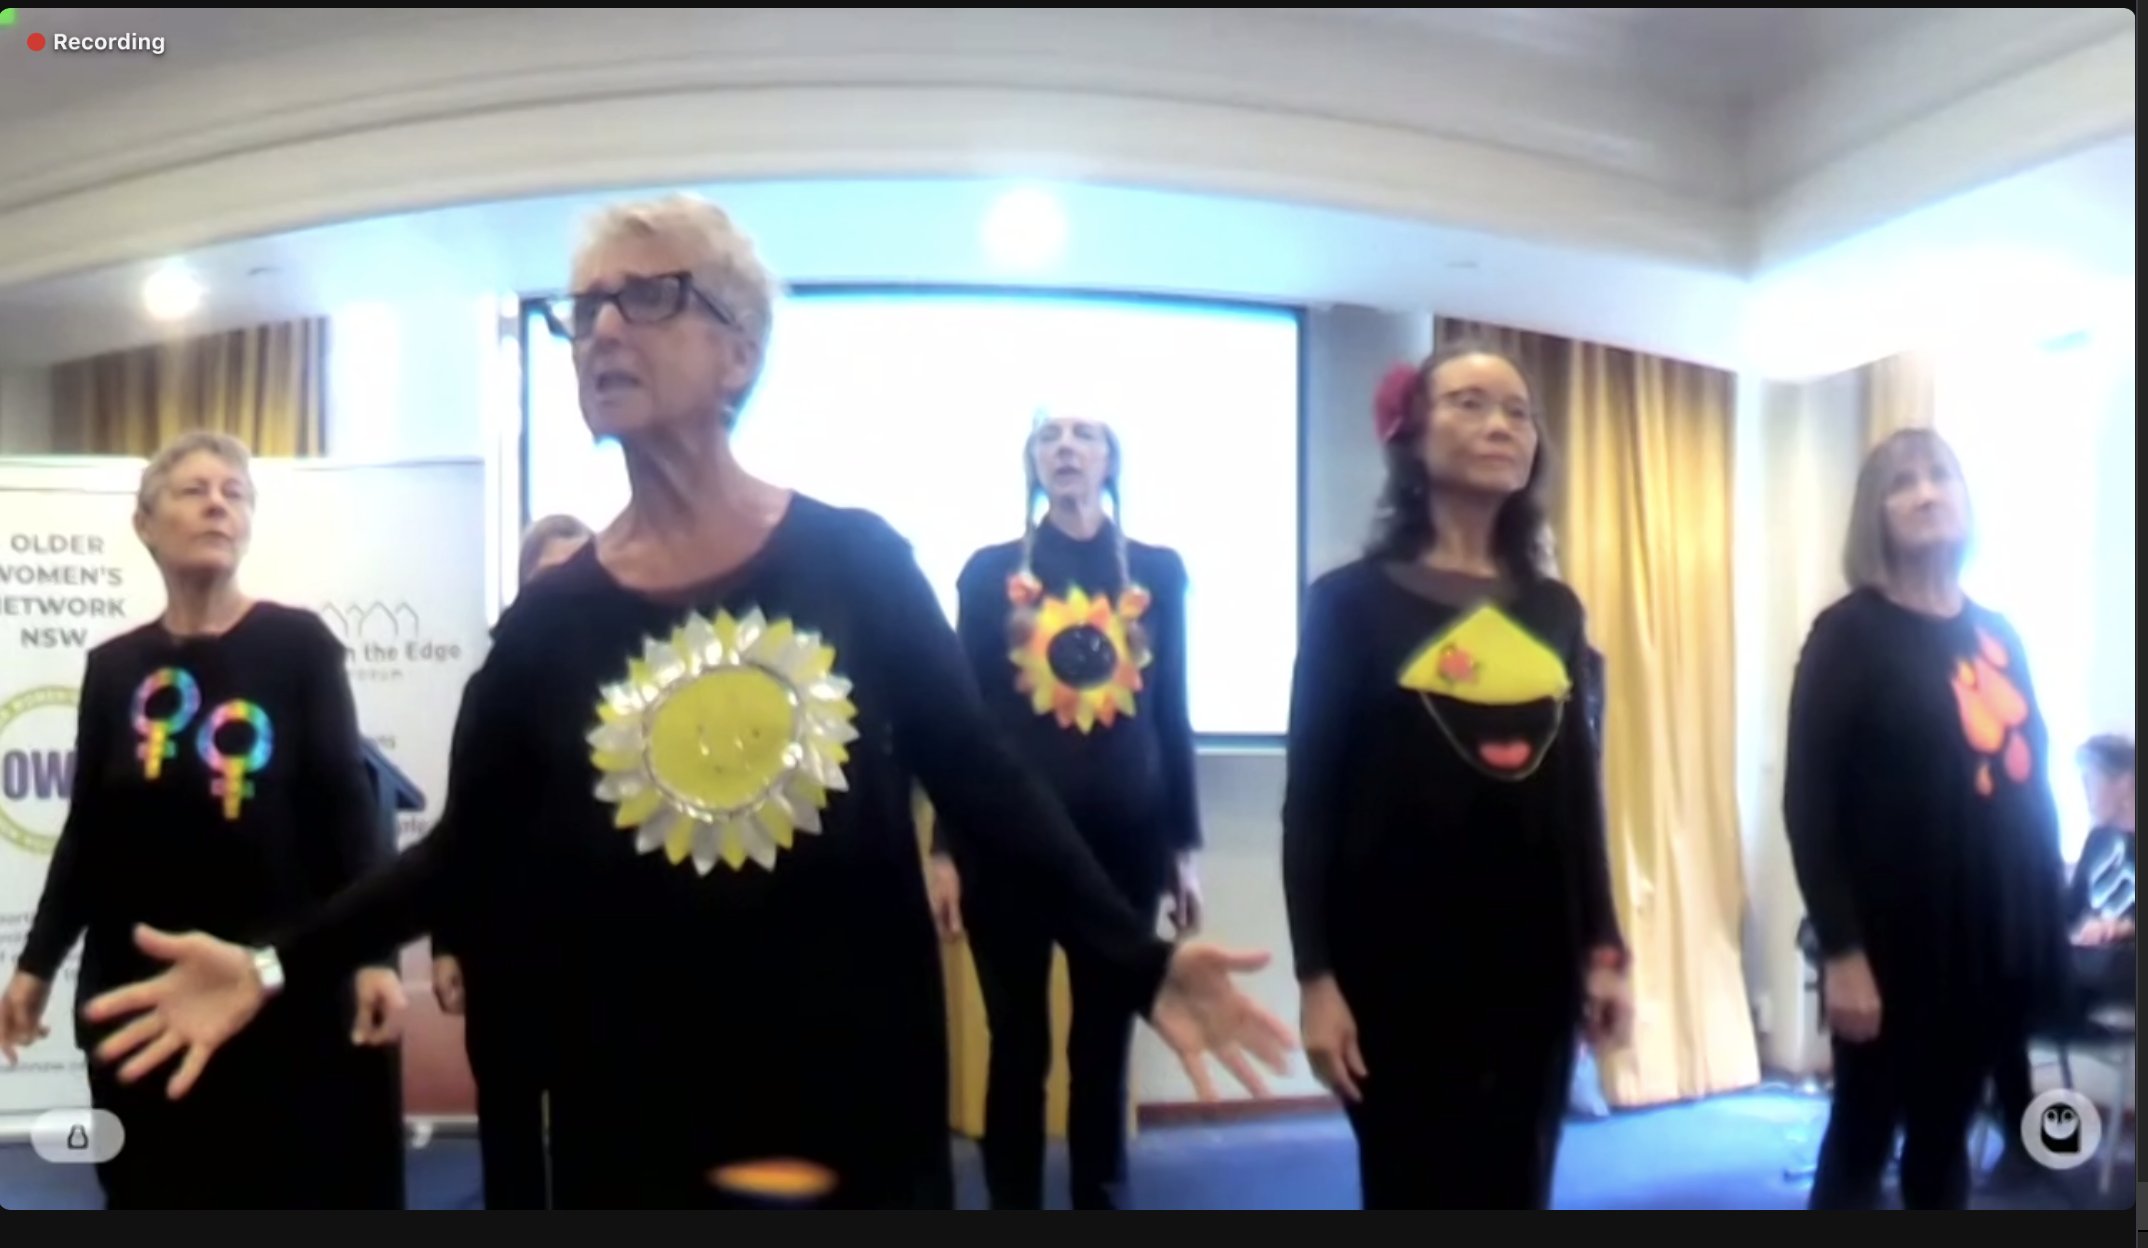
(682, 284)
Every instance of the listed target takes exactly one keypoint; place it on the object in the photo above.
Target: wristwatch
(269, 968)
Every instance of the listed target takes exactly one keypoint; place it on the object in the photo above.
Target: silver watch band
(270, 969)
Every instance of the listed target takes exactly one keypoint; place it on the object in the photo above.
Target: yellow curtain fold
(1900, 392)
(969, 1036)
(1643, 524)
(266, 386)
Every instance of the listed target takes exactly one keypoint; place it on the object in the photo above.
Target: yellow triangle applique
(1485, 658)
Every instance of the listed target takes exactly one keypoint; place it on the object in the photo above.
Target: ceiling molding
(1571, 130)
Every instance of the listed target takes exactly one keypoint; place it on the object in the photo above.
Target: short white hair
(724, 260)
(177, 451)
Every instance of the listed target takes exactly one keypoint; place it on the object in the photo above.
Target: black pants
(1460, 1126)
(511, 1134)
(268, 1126)
(1926, 1083)
(1013, 954)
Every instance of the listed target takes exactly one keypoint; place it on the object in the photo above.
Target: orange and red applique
(1994, 713)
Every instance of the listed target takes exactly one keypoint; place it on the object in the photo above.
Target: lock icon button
(77, 1137)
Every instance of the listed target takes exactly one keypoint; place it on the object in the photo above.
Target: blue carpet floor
(1729, 1152)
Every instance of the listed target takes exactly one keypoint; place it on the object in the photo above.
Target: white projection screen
(915, 404)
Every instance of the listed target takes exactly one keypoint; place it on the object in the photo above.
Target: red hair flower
(1391, 402)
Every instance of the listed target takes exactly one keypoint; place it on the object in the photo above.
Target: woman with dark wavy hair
(1443, 833)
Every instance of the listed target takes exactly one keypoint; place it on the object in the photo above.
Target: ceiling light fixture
(1025, 229)
(172, 294)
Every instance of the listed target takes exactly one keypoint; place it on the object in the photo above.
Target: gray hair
(157, 475)
(559, 528)
(1868, 555)
(724, 260)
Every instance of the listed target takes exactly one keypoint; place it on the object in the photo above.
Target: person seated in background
(2100, 901)
(510, 1087)
(2099, 917)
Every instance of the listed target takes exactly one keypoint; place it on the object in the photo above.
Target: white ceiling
(1728, 58)
(1670, 104)
(2053, 231)
(913, 231)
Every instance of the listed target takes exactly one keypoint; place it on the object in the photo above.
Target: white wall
(1346, 350)
(1798, 450)
(412, 379)
(2111, 706)
(25, 411)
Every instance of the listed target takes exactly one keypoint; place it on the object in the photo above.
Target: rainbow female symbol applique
(164, 704)
(1078, 665)
(1495, 690)
(1993, 713)
(232, 771)
(724, 741)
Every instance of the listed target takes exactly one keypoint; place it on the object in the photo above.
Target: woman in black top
(680, 789)
(1077, 635)
(510, 1082)
(1924, 832)
(220, 787)
(1443, 832)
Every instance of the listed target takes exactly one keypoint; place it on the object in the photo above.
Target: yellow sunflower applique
(724, 740)
(1079, 664)
(1497, 692)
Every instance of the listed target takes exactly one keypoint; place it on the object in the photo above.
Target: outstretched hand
(207, 995)
(1201, 1013)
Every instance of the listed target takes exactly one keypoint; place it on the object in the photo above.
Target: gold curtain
(266, 386)
(1643, 522)
(969, 1037)
(1899, 394)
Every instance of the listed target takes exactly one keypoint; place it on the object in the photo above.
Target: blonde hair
(724, 260)
(1868, 555)
(157, 474)
(1022, 619)
(557, 528)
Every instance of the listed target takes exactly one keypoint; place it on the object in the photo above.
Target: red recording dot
(37, 43)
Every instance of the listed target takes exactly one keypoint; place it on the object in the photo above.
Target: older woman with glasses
(681, 791)
(220, 786)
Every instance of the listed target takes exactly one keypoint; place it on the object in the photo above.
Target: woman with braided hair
(1078, 639)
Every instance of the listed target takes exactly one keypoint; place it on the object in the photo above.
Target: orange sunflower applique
(1078, 665)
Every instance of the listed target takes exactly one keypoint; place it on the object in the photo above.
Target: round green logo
(37, 766)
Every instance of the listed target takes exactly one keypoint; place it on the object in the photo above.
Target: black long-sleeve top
(1921, 819)
(1443, 812)
(1112, 739)
(787, 1001)
(220, 786)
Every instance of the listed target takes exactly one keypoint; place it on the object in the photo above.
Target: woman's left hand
(1607, 1018)
(380, 1008)
(1201, 1013)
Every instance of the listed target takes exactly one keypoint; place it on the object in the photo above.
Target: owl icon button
(2061, 1129)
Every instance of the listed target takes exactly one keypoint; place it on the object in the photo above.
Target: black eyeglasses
(640, 300)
